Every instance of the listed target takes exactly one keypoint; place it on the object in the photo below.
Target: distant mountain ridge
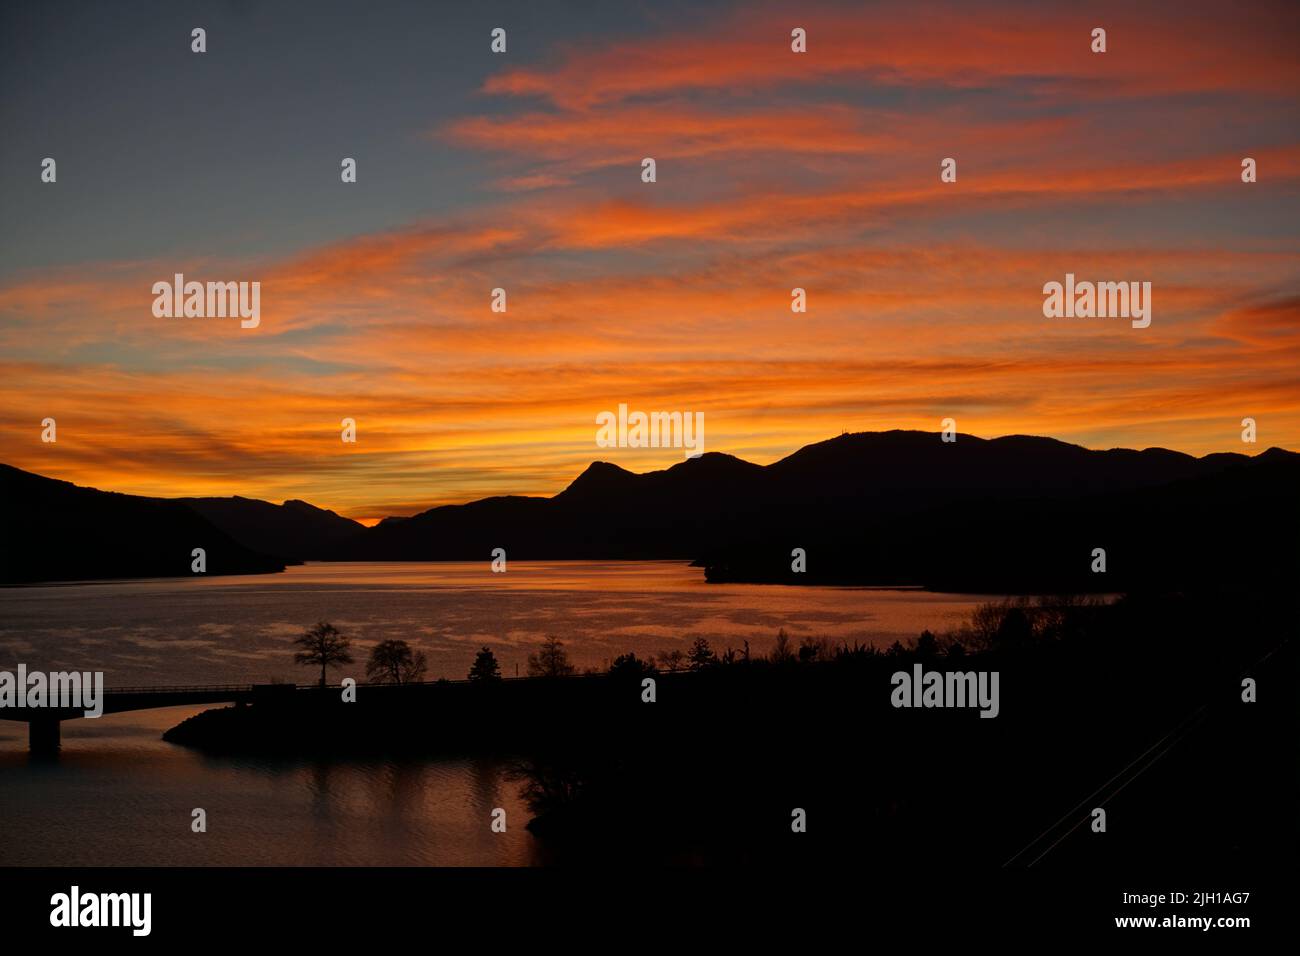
(294, 531)
(896, 507)
(57, 531)
(730, 514)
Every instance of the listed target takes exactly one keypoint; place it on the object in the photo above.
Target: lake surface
(220, 630)
(117, 794)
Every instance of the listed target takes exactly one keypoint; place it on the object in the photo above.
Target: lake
(117, 794)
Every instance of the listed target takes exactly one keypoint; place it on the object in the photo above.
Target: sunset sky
(522, 170)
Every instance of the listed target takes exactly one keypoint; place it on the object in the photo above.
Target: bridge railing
(315, 685)
(182, 689)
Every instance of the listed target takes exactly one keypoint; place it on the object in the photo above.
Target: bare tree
(673, 661)
(393, 662)
(322, 646)
(550, 660)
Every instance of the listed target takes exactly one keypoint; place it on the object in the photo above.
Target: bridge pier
(43, 735)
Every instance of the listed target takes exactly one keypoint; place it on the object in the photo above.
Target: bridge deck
(116, 700)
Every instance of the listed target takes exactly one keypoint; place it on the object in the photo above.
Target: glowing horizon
(775, 170)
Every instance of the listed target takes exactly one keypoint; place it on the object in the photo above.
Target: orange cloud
(922, 304)
(1275, 324)
(1178, 49)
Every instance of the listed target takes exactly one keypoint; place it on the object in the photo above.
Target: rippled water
(117, 794)
(236, 629)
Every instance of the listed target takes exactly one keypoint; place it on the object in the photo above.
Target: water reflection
(119, 795)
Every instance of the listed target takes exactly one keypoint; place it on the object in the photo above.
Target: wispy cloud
(776, 170)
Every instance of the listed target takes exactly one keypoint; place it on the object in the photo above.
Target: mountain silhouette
(294, 531)
(57, 531)
(1014, 514)
(896, 508)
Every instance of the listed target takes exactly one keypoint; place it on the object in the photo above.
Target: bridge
(43, 722)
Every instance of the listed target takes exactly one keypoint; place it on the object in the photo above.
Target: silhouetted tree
(393, 662)
(548, 783)
(781, 652)
(1015, 631)
(323, 646)
(550, 660)
(1065, 617)
(673, 661)
(984, 623)
(927, 645)
(815, 649)
(485, 667)
(629, 665)
(701, 654)
(857, 652)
